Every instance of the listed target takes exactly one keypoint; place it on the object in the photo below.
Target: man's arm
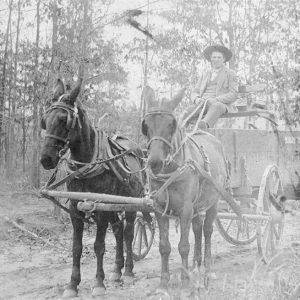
(231, 96)
(195, 95)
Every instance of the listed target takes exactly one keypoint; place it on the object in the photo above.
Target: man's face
(217, 60)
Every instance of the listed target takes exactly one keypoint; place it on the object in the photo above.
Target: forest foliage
(41, 41)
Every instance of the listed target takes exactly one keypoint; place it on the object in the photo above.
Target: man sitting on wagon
(216, 88)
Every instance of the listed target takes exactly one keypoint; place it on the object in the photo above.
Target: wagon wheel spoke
(277, 231)
(140, 238)
(145, 236)
(269, 245)
(271, 240)
(272, 234)
(136, 230)
(247, 230)
(266, 198)
(276, 188)
(229, 225)
(238, 224)
(267, 239)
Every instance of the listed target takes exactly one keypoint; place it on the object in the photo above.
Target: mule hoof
(115, 276)
(98, 291)
(128, 279)
(69, 293)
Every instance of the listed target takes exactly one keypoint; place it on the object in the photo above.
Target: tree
(11, 129)
(35, 168)
(3, 82)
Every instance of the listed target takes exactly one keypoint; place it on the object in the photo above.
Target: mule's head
(59, 120)
(159, 126)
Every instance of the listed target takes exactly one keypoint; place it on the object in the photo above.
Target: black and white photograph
(150, 149)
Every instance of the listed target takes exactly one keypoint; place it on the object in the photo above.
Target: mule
(175, 160)
(68, 126)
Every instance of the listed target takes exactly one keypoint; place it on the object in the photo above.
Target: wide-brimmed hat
(219, 48)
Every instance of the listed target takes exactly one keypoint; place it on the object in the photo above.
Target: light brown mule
(171, 152)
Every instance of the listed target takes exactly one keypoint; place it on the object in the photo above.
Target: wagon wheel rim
(143, 238)
(235, 231)
(269, 232)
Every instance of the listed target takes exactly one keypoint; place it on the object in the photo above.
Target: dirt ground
(32, 269)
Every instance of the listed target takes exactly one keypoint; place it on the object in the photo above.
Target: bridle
(157, 137)
(72, 119)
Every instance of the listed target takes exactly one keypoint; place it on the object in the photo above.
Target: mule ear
(148, 96)
(176, 99)
(75, 92)
(59, 89)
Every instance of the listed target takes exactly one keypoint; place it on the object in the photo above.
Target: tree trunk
(12, 139)
(8, 104)
(23, 125)
(2, 83)
(35, 168)
(52, 75)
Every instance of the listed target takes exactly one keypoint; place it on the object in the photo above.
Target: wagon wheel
(143, 237)
(269, 232)
(235, 231)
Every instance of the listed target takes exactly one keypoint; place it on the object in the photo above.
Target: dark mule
(67, 123)
(176, 160)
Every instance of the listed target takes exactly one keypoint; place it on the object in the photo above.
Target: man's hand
(197, 99)
(210, 101)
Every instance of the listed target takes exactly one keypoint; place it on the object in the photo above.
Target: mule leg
(197, 224)
(164, 249)
(184, 244)
(117, 227)
(71, 290)
(99, 247)
(208, 230)
(128, 236)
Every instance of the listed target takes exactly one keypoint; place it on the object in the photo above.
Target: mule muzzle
(156, 165)
(48, 161)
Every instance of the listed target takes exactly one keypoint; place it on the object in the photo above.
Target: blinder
(68, 126)
(72, 118)
(144, 128)
(43, 123)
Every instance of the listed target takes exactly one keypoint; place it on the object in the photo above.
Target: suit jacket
(227, 87)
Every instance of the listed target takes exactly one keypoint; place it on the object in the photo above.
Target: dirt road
(31, 269)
